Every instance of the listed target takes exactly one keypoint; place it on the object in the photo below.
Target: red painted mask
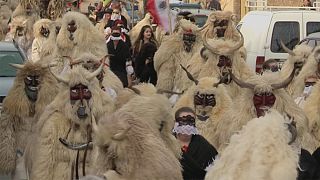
(263, 101)
(80, 92)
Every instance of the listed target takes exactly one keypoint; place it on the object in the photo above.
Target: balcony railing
(262, 5)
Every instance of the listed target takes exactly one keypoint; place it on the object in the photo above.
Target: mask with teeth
(44, 31)
(32, 87)
(188, 40)
(221, 27)
(203, 105)
(262, 102)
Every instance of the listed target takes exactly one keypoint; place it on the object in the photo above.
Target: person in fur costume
(220, 56)
(41, 31)
(162, 120)
(212, 105)
(262, 92)
(33, 89)
(21, 32)
(312, 110)
(78, 35)
(129, 148)
(5, 15)
(29, 8)
(68, 120)
(176, 50)
(299, 56)
(265, 149)
(108, 81)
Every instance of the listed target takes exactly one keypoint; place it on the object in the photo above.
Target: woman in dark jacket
(144, 64)
(121, 54)
(144, 49)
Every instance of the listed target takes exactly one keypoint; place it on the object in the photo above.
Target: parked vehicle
(264, 30)
(200, 15)
(9, 53)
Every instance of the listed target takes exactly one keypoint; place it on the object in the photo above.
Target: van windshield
(288, 33)
(9, 57)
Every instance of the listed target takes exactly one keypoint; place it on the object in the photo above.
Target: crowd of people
(136, 106)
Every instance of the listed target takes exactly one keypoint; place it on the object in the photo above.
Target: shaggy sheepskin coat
(301, 55)
(209, 66)
(39, 40)
(129, 148)
(19, 115)
(260, 151)
(53, 160)
(312, 110)
(171, 54)
(152, 108)
(212, 129)
(284, 104)
(86, 38)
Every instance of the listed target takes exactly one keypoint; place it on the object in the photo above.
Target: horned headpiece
(30, 90)
(222, 24)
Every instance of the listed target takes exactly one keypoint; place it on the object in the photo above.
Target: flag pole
(169, 16)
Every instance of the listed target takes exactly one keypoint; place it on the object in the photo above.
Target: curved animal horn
(94, 123)
(238, 45)
(60, 79)
(81, 146)
(293, 130)
(203, 27)
(121, 135)
(240, 82)
(317, 55)
(286, 49)
(189, 75)
(160, 91)
(135, 90)
(17, 66)
(44, 66)
(96, 72)
(221, 80)
(285, 82)
(215, 51)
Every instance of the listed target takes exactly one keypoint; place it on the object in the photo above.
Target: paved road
(4, 177)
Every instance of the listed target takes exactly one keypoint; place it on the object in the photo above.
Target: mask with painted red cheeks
(262, 102)
(80, 92)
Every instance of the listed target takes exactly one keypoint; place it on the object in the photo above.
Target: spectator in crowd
(124, 33)
(197, 153)
(99, 11)
(186, 15)
(270, 65)
(116, 13)
(105, 23)
(307, 3)
(214, 4)
(144, 49)
(121, 56)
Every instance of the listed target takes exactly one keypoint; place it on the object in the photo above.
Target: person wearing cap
(105, 24)
(120, 59)
(116, 13)
(197, 153)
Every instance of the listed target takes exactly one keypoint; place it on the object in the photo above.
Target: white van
(263, 31)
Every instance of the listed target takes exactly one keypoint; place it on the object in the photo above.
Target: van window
(313, 27)
(288, 32)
